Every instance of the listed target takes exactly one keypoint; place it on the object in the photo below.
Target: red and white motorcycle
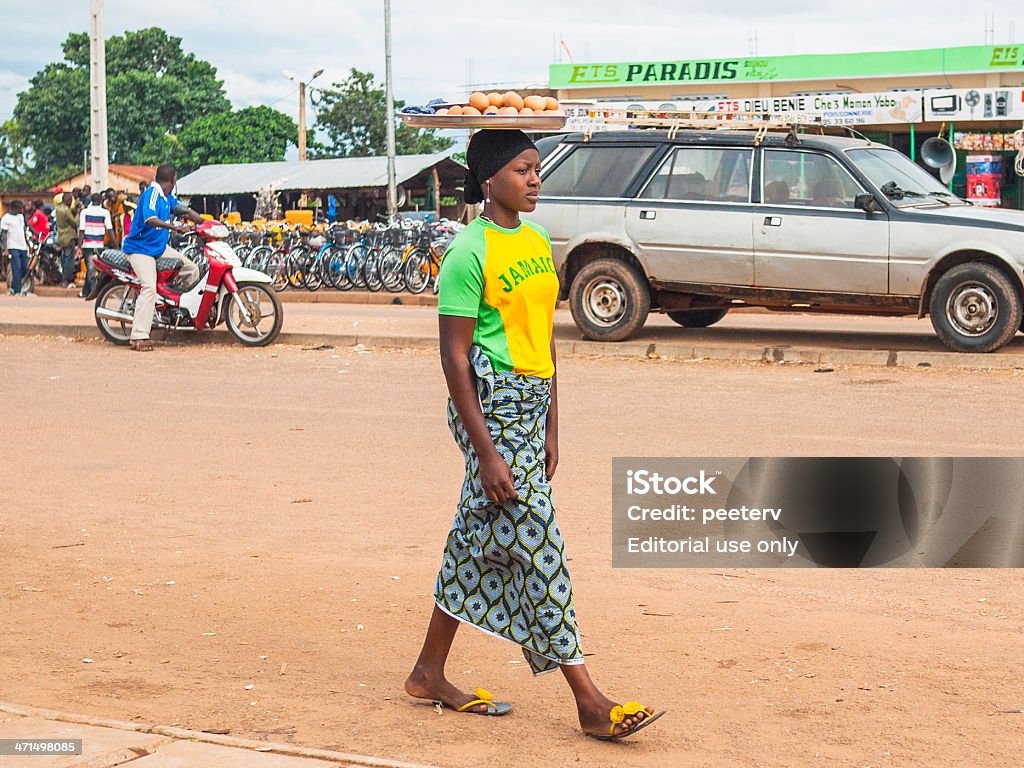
(226, 292)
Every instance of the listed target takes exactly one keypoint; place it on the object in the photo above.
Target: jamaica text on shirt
(512, 277)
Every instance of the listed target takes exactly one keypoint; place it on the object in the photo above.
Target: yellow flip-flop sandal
(494, 708)
(620, 713)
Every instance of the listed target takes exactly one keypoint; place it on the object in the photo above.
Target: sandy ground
(741, 328)
(207, 518)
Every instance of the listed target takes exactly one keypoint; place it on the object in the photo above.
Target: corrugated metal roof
(340, 173)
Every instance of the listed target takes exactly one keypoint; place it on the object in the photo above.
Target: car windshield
(899, 178)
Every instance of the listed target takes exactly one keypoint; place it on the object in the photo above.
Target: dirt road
(740, 328)
(204, 519)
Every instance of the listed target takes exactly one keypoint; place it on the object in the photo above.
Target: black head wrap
(490, 151)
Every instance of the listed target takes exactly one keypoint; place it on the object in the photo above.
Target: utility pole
(390, 98)
(302, 107)
(97, 96)
(302, 121)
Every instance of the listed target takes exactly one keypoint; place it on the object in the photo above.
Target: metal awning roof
(340, 173)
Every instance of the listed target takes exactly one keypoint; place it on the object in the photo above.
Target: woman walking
(504, 568)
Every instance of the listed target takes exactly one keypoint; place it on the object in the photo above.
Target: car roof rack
(761, 122)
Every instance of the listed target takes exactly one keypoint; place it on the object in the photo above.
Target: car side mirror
(866, 203)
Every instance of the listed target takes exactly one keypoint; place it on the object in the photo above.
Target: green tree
(153, 87)
(351, 121)
(13, 161)
(250, 135)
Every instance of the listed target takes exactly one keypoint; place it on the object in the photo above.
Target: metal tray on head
(507, 122)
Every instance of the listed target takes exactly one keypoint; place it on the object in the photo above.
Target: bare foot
(420, 687)
(594, 718)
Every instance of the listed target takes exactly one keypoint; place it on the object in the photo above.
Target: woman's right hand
(496, 479)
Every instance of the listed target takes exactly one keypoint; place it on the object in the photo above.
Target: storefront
(358, 185)
(974, 94)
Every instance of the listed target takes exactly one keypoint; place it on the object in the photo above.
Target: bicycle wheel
(259, 258)
(371, 271)
(297, 266)
(314, 277)
(336, 274)
(417, 271)
(354, 258)
(194, 253)
(391, 270)
(275, 269)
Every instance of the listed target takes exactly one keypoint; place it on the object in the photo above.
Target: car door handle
(773, 221)
(648, 215)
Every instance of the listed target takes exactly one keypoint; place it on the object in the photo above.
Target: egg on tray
(479, 101)
(509, 104)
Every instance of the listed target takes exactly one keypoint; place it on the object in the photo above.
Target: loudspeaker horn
(939, 154)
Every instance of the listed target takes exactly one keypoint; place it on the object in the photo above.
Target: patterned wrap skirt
(504, 567)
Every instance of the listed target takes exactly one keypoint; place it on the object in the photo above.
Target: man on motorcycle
(147, 242)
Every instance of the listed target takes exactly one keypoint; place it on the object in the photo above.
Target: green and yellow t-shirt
(506, 280)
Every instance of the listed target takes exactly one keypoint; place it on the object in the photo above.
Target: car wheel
(609, 300)
(697, 318)
(975, 308)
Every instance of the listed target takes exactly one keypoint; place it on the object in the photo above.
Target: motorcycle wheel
(120, 298)
(27, 280)
(263, 318)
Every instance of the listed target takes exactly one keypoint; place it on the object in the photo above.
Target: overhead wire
(286, 96)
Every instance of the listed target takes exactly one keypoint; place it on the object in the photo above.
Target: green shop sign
(826, 66)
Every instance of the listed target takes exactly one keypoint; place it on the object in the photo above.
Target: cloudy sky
(439, 46)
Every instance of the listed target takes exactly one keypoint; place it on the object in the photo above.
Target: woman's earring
(487, 199)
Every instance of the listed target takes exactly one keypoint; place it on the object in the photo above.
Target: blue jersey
(144, 239)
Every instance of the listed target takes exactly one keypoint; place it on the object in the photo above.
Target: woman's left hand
(550, 455)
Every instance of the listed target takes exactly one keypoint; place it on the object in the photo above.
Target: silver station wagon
(702, 221)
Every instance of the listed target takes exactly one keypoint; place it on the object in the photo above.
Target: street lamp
(302, 107)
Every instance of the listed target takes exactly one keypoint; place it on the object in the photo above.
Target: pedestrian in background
(67, 232)
(94, 225)
(114, 203)
(39, 221)
(12, 229)
(76, 201)
(129, 211)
